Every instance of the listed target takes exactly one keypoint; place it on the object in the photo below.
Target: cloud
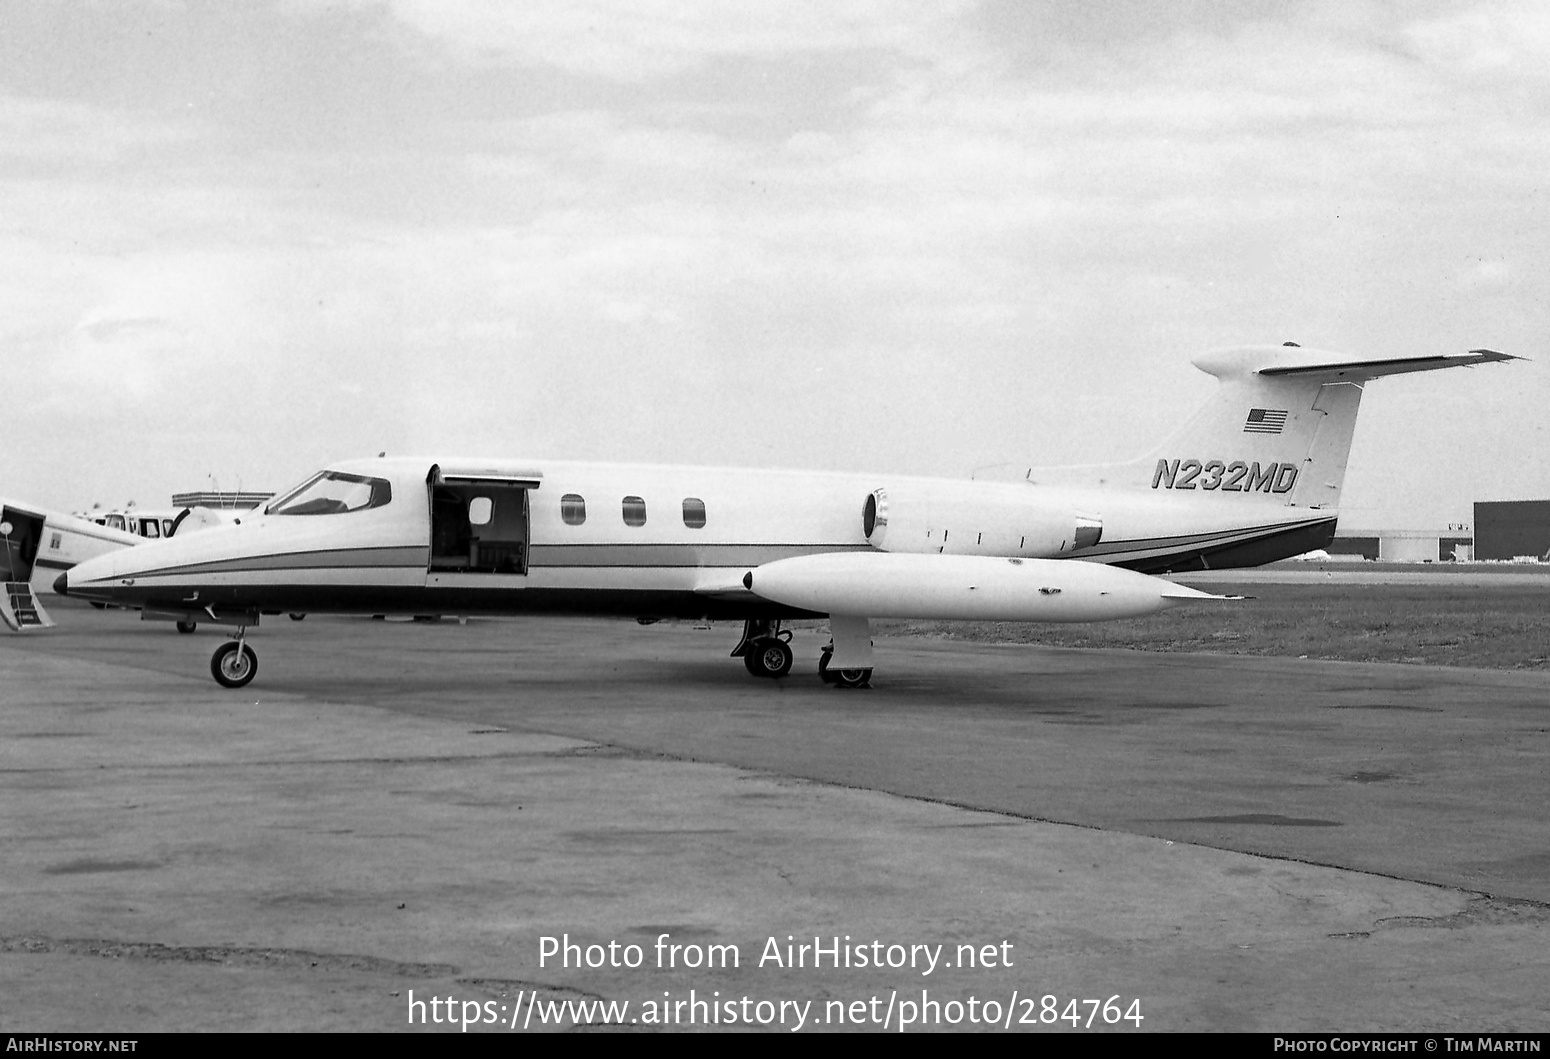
(1501, 39)
(921, 237)
(1486, 275)
(59, 131)
(658, 38)
(118, 361)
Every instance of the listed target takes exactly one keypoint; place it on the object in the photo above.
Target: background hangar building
(1503, 530)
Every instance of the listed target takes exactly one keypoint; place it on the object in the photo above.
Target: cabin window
(634, 511)
(694, 513)
(479, 509)
(149, 527)
(573, 509)
(166, 527)
(333, 493)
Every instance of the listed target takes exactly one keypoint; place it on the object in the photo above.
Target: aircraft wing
(729, 587)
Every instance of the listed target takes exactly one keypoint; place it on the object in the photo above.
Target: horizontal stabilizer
(1372, 369)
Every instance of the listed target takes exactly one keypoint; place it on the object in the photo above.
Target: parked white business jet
(1253, 477)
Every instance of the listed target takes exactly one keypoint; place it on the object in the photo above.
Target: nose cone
(62, 583)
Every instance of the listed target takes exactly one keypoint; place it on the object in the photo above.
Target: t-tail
(1254, 475)
(1278, 427)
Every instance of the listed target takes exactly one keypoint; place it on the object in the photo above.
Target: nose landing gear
(234, 664)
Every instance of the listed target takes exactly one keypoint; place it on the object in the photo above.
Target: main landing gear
(765, 649)
(841, 678)
(766, 652)
(234, 664)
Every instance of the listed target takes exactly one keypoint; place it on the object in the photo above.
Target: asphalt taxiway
(1235, 843)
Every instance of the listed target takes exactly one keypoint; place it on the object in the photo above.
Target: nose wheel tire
(768, 658)
(233, 665)
(186, 627)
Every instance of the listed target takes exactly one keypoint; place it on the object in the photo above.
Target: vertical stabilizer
(1279, 427)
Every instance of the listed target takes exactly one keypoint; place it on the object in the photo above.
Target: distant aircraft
(34, 540)
(155, 523)
(139, 521)
(1252, 477)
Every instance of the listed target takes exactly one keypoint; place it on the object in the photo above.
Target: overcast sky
(240, 240)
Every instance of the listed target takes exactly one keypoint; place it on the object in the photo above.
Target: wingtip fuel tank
(970, 587)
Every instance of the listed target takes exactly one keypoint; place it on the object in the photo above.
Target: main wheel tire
(186, 627)
(768, 658)
(851, 678)
(233, 665)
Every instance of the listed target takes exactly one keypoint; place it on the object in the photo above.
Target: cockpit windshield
(332, 493)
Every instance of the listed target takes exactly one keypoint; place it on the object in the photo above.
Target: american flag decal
(1264, 421)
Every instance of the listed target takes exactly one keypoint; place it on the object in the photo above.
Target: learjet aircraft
(1254, 476)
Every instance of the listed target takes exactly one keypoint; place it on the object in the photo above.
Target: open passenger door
(20, 535)
(479, 521)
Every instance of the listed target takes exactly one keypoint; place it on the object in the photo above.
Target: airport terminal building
(214, 498)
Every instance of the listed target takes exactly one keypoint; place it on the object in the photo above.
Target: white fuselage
(640, 540)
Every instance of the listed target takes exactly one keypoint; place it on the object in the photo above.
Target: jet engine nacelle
(975, 518)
